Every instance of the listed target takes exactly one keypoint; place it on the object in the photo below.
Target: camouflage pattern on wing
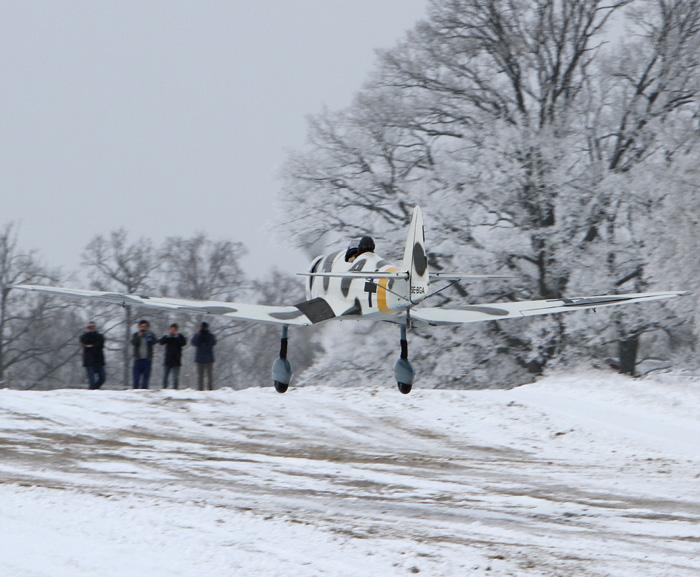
(498, 311)
(278, 315)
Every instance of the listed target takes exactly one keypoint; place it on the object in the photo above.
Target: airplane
(366, 288)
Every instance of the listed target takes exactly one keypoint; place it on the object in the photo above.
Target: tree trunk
(628, 348)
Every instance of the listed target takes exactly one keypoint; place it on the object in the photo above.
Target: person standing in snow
(143, 342)
(204, 342)
(93, 344)
(173, 343)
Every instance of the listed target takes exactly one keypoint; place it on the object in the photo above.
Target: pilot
(351, 254)
(366, 245)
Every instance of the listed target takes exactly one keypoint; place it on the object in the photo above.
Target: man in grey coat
(204, 342)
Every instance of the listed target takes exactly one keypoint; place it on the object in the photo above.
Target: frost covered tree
(641, 132)
(677, 235)
(521, 128)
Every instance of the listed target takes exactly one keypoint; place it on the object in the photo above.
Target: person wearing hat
(204, 342)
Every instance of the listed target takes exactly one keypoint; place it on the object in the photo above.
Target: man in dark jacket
(143, 342)
(173, 343)
(93, 344)
(204, 342)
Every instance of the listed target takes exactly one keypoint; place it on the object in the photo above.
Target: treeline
(555, 140)
(39, 335)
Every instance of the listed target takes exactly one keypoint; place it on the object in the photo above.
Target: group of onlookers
(143, 343)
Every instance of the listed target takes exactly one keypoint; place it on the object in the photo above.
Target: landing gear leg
(281, 369)
(403, 370)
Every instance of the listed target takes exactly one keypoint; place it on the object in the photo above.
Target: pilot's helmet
(366, 245)
(350, 253)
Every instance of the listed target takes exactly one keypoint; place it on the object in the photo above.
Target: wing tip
(669, 294)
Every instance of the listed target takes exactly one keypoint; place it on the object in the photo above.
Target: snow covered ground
(585, 475)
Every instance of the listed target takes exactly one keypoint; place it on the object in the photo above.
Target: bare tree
(114, 262)
(202, 268)
(31, 348)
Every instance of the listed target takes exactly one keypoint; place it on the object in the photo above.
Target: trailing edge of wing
(499, 311)
(279, 315)
(466, 276)
(358, 274)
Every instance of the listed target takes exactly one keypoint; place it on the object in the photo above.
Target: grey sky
(170, 117)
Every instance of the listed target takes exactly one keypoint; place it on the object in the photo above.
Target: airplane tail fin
(415, 259)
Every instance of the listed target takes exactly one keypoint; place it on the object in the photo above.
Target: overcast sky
(171, 117)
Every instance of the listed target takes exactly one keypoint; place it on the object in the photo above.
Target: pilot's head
(366, 245)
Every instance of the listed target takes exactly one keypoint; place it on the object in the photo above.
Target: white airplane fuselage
(380, 299)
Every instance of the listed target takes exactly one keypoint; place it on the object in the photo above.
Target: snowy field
(590, 475)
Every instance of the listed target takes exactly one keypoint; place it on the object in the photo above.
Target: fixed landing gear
(405, 388)
(281, 369)
(281, 387)
(403, 370)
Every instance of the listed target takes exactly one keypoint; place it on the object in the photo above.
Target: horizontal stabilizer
(467, 276)
(358, 274)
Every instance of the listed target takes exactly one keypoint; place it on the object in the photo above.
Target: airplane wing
(510, 310)
(278, 315)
